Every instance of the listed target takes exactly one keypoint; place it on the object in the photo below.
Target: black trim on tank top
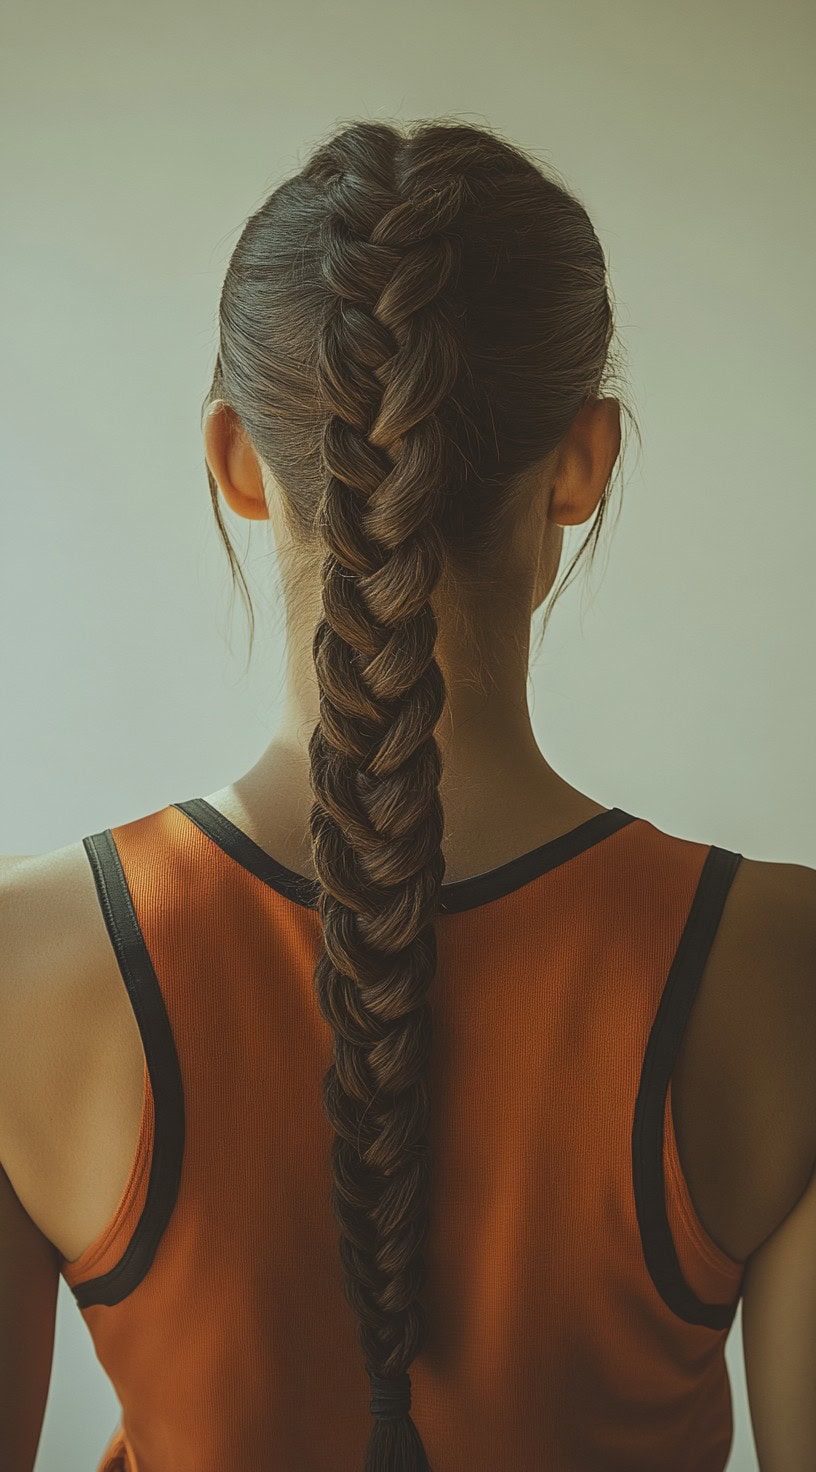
(163, 1067)
(665, 1037)
(461, 894)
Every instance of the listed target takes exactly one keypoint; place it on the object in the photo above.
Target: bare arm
(29, 1278)
(29, 1264)
(779, 1288)
(779, 1340)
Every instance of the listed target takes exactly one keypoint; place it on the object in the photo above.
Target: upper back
(624, 987)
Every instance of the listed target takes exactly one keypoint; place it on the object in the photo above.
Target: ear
(588, 454)
(233, 462)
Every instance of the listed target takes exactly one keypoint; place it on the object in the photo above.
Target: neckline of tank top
(469, 893)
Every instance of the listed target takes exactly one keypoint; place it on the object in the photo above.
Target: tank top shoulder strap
(133, 870)
(713, 871)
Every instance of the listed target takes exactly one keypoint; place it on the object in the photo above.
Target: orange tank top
(578, 1308)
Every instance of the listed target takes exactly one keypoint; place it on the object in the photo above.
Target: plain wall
(135, 141)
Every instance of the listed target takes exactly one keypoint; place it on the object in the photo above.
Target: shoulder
(58, 964)
(46, 914)
(747, 1053)
(56, 995)
(773, 921)
(765, 958)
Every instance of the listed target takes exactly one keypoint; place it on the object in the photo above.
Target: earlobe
(563, 509)
(252, 508)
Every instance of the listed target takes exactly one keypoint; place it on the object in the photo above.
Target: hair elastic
(391, 1396)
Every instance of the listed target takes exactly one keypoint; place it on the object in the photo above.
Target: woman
(399, 1105)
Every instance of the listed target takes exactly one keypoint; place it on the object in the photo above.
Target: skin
(485, 734)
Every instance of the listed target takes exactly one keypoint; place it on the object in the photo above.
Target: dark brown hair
(406, 327)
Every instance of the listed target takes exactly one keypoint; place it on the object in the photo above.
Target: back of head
(406, 327)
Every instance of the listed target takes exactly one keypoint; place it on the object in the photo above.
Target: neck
(485, 731)
(500, 795)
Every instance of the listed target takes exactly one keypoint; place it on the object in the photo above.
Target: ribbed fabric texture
(550, 1346)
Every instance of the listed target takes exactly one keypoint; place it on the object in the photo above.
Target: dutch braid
(377, 822)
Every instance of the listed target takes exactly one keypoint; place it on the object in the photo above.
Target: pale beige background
(135, 139)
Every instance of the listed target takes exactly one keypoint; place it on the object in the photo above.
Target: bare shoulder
(48, 928)
(61, 1004)
(744, 1084)
(792, 883)
(772, 924)
(764, 1036)
(770, 936)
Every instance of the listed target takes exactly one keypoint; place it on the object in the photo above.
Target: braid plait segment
(388, 359)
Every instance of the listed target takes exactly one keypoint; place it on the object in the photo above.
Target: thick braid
(388, 357)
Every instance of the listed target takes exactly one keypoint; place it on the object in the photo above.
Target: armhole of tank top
(658, 1176)
(161, 1133)
(119, 1225)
